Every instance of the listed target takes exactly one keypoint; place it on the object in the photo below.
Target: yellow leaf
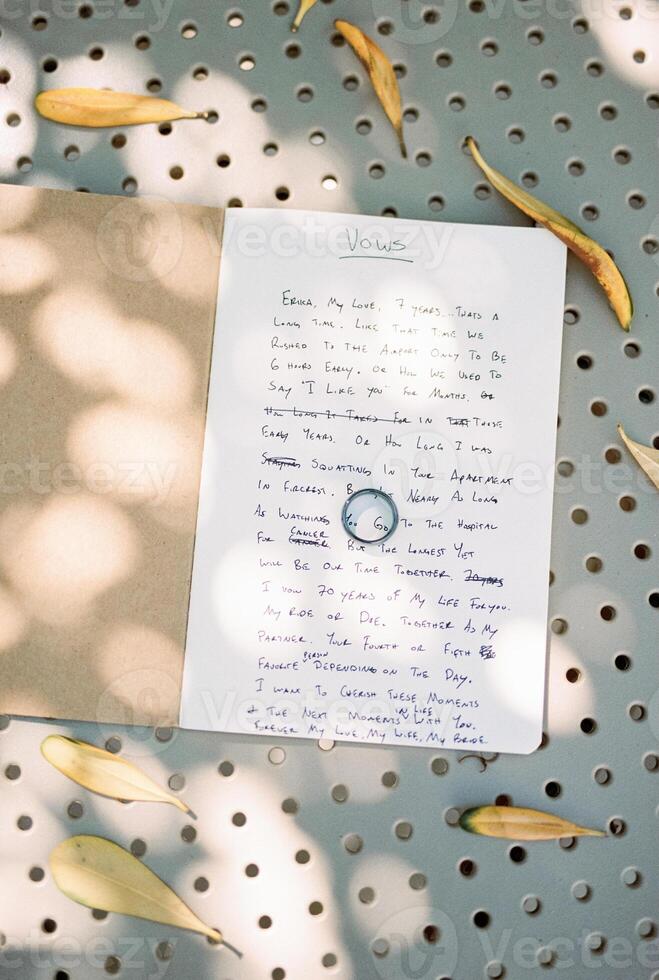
(104, 773)
(304, 7)
(98, 107)
(646, 457)
(518, 823)
(589, 252)
(381, 73)
(98, 873)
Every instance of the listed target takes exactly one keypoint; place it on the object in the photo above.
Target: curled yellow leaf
(520, 823)
(646, 457)
(381, 73)
(588, 251)
(98, 107)
(102, 875)
(104, 773)
(304, 7)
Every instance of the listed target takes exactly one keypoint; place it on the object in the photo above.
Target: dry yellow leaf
(381, 73)
(104, 773)
(646, 457)
(304, 7)
(519, 823)
(588, 251)
(98, 107)
(102, 875)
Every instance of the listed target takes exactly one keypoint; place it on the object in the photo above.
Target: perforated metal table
(344, 861)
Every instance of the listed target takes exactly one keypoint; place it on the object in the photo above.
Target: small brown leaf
(304, 7)
(646, 457)
(519, 823)
(381, 73)
(588, 251)
(98, 107)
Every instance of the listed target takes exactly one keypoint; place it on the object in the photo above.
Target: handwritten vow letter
(417, 358)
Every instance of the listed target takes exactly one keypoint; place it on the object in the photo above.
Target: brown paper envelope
(107, 308)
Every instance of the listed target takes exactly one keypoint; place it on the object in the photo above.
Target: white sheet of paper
(420, 358)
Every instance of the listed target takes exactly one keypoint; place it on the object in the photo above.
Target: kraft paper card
(107, 308)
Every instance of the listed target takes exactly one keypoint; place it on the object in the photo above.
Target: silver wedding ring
(370, 516)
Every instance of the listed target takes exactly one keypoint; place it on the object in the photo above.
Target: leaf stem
(232, 948)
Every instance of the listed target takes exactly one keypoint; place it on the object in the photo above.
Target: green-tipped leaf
(520, 823)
